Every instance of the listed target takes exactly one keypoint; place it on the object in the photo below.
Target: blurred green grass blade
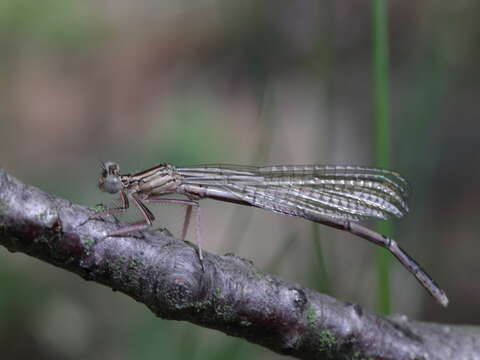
(321, 278)
(383, 272)
(382, 136)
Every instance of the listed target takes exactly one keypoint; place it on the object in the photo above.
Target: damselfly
(336, 196)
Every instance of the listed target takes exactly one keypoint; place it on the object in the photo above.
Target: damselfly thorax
(337, 196)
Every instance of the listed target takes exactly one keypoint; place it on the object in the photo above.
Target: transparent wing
(350, 192)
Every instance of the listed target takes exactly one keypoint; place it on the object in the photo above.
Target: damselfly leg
(116, 210)
(149, 218)
(147, 221)
(190, 204)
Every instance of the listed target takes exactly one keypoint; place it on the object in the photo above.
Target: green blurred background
(243, 82)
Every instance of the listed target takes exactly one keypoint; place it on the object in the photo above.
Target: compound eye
(110, 180)
(112, 184)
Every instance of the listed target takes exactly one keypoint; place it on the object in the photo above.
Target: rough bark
(231, 295)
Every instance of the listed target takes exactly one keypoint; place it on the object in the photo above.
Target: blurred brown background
(243, 82)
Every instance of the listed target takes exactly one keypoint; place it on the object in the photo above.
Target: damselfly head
(110, 180)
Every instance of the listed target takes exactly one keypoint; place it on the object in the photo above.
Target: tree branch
(231, 295)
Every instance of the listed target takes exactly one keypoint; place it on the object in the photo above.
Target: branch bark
(231, 296)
